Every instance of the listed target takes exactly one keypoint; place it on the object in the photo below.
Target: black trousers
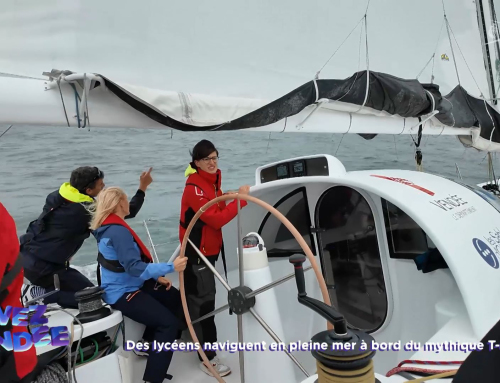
(199, 283)
(71, 281)
(160, 310)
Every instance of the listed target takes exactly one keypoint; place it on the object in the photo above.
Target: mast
(485, 42)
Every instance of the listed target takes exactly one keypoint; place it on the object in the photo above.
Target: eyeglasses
(208, 159)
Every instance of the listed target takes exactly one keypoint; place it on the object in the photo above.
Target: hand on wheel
(180, 264)
(245, 189)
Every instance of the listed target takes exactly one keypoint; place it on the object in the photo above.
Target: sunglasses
(99, 175)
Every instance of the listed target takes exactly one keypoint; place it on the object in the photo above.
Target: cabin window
(277, 238)
(405, 238)
(350, 257)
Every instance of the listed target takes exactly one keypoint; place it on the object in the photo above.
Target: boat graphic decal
(405, 182)
(486, 252)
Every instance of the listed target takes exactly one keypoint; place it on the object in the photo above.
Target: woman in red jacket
(203, 185)
(14, 366)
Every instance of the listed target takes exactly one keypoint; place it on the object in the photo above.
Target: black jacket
(58, 233)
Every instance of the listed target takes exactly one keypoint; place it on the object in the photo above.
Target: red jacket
(202, 187)
(23, 362)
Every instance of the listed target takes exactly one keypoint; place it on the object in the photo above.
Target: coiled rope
(52, 373)
(364, 374)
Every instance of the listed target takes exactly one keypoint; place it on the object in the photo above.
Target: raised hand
(145, 180)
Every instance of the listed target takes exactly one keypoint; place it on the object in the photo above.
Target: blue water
(35, 161)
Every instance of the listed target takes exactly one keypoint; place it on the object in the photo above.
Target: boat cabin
(406, 255)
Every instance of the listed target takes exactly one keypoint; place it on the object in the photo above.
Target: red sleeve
(214, 216)
(9, 245)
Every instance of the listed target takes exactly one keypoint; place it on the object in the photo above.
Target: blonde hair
(107, 202)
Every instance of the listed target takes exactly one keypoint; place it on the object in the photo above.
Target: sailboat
(396, 255)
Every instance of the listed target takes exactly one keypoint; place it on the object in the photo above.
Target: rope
(3, 74)
(433, 57)
(463, 56)
(1, 135)
(418, 152)
(89, 306)
(418, 370)
(429, 362)
(363, 374)
(62, 99)
(72, 365)
(329, 375)
(438, 376)
(451, 47)
(52, 373)
(340, 46)
(77, 98)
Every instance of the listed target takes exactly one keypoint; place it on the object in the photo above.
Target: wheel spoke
(274, 284)
(240, 246)
(211, 267)
(276, 339)
(240, 353)
(216, 311)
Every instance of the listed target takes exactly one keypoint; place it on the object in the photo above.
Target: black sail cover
(386, 93)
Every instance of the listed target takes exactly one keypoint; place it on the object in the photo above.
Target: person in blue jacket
(132, 283)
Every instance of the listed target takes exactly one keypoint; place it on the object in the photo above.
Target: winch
(90, 304)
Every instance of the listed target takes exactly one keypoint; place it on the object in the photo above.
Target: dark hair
(85, 177)
(202, 150)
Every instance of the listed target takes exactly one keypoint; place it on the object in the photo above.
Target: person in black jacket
(58, 233)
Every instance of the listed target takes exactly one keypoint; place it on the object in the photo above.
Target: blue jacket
(115, 242)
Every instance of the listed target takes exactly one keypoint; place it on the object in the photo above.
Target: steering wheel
(242, 293)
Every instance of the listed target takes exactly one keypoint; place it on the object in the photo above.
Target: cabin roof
(463, 225)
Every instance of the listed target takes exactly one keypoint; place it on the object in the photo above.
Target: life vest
(113, 265)
(202, 187)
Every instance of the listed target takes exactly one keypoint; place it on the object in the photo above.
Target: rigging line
(451, 47)
(3, 74)
(367, 67)
(466, 63)
(396, 148)
(357, 71)
(1, 135)
(327, 61)
(286, 118)
(62, 99)
(433, 57)
(426, 65)
(77, 96)
(340, 143)
(86, 101)
(366, 36)
(404, 127)
(367, 5)
(268, 141)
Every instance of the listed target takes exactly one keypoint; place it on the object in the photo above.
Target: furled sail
(232, 65)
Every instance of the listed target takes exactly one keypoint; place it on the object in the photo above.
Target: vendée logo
(39, 336)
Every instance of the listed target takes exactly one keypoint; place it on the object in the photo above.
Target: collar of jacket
(71, 194)
(213, 179)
